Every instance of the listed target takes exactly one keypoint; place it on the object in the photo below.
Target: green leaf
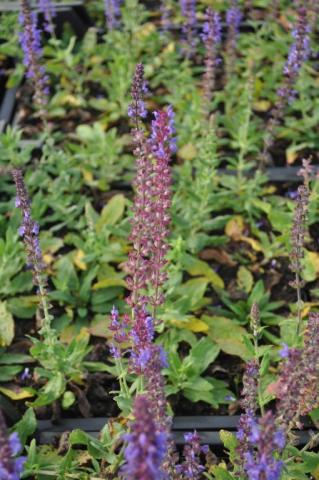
(112, 212)
(6, 325)
(203, 354)
(245, 279)
(228, 335)
(228, 439)
(68, 399)
(26, 426)
(52, 391)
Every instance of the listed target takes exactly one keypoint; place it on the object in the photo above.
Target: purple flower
(49, 11)
(146, 445)
(265, 442)
(233, 19)
(29, 229)
(150, 224)
(10, 468)
(211, 37)
(112, 13)
(120, 332)
(188, 10)
(139, 88)
(191, 467)
(31, 46)
(298, 54)
(284, 352)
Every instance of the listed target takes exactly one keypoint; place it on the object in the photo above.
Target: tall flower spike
(29, 230)
(163, 144)
(297, 56)
(137, 108)
(10, 468)
(137, 264)
(211, 37)
(188, 10)
(249, 405)
(297, 236)
(146, 446)
(49, 12)
(191, 468)
(233, 19)
(266, 441)
(297, 387)
(31, 46)
(112, 13)
(166, 12)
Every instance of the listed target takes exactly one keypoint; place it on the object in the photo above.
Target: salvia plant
(151, 264)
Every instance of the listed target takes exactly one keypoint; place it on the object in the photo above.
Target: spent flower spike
(188, 10)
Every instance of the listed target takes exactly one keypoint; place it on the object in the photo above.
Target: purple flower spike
(146, 447)
(49, 11)
(191, 467)
(233, 19)
(29, 229)
(31, 46)
(265, 441)
(112, 13)
(211, 37)
(10, 468)
(298, 54)
(137, 108)
(188, 10)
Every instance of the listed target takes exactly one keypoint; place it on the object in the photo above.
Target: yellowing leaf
(100, 326)
(6, 325)
(16, 393)
(311, 266)
(253, 243)
(291, 156)
(145, 30)
(228, 335)
(187, 152)
(196, 267)
(193, 324)
(307, 307)
(78, 260)
(87, 175)
(109, 282)
(169, 49)
(262, 106)
(235, 227)
(48, 258)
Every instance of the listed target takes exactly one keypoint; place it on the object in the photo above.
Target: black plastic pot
(208, 428)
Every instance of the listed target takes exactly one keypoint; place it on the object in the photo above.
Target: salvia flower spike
(233, 19)
(31, 46)
(29, 231)
(146, 445)
(188, 10)
(297, 236)
(266, 441)
(298, 54)
(112, 13)
(211, 37)
(48, 9)
(191, 467)
(11, 466)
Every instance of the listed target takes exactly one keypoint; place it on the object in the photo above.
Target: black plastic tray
(208, 427)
